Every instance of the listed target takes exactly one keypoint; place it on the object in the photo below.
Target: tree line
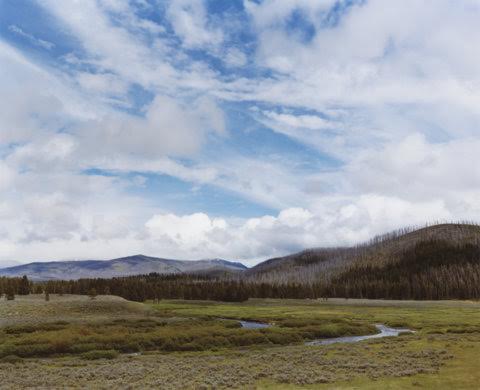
(429, 270)
(9, 287)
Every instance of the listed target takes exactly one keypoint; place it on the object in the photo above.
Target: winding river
(385, 331)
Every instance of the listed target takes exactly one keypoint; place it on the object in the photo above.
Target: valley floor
(74, 342)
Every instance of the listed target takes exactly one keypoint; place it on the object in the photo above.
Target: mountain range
(433, 262)
(125, 266)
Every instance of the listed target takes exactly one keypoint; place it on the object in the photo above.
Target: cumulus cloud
(365, 118)
(376, 62)
(190, 232)
(197, 236)
(416, 169)
(167, 128)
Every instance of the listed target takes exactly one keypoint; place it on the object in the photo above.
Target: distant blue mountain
(131, 265)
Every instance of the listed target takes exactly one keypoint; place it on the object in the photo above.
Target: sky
(241, 130)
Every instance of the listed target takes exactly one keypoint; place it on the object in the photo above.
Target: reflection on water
(385, 331)
(253, 325)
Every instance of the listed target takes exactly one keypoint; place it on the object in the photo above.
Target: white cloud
(190, 22)
(6, 176)
(111, 47)
(168, 128)
(108, 84)
(375, 58)
(312, 122)
(198, 235)
(391, 93)
(417, 170)
(274, 13)
(188, 232)
(235, 57)
(36, 41)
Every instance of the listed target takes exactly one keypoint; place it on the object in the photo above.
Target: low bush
(19, 329)
(464, 329)
(95, 354)
(12, 359)
(127, 336)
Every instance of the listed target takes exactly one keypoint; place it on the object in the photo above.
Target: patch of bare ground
(295, 365)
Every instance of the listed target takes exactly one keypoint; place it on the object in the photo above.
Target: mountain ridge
(123, 266)
(435, 262)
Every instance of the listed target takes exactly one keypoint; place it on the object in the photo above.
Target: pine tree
(24, 287)
(10, 293)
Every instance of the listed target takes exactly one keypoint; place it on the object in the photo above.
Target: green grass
(95, 355)
(34, 310)
(185, 344)
(462, 372)
(426, 316)
(449, 329)
(149, 334)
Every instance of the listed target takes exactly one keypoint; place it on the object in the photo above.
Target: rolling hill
(125, 266)
(435, 262)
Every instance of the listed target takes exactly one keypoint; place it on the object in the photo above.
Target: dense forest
(438, 262)
(429, 270)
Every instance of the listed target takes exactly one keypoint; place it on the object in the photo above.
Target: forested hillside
(436, 262)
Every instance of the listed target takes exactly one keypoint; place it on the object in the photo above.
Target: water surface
(253, 325)
(385, 331)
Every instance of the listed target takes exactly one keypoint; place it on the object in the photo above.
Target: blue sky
(240, 129)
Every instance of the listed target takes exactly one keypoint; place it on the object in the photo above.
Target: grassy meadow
(73, 341)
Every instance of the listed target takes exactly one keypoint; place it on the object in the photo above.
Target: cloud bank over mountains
(241, 130)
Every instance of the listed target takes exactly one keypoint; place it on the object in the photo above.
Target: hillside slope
(441, 261)
(125, 266)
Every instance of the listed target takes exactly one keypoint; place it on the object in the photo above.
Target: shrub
(92, 293)
(12, 359)
(282, 338)
(96, 354)
(35, 328)
(127, 336)
(9, 295)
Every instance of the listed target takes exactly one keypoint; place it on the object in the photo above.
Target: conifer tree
(24, 287)
(10, 293)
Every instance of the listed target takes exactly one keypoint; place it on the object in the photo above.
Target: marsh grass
(95, 355)
(147, 334)
(287, 366)
(185, 345)
(12, 359)
(432, 317)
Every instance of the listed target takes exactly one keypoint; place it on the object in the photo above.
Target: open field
(110, 342)
(33, 309)
(426, 316)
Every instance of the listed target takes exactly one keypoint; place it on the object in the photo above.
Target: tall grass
(149, 334)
